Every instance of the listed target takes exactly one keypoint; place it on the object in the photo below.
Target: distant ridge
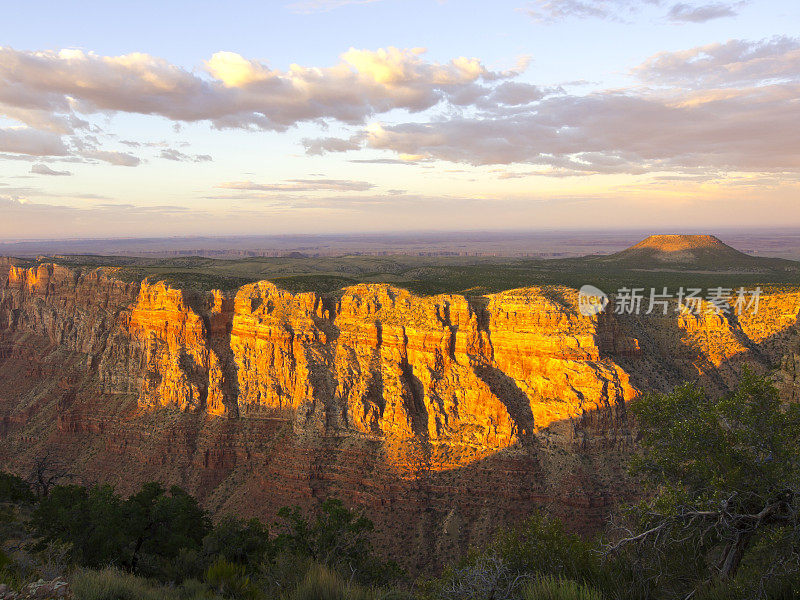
(692, 252)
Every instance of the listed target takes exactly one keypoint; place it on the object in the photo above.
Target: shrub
(112, 584)
(337, 538)
(230, 580)
(321, 583)
(240, 542)
(9, 574)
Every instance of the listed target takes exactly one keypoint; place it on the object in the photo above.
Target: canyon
(441, 417)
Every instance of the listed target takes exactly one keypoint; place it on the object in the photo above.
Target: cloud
(238, 92)
(743, 117)
(381, 161)
(24, 140)
(700, 14)
(121, 159)
(612, 133)
(300, 185)
(515, 93)
(318, 146)
(550, 11)
(42, 169)
(557, 10)
(314, 6)
(175, 155)
(733, 63)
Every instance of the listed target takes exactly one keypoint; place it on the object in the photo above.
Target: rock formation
(442, 416)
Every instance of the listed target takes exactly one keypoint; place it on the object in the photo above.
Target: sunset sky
(185, 118)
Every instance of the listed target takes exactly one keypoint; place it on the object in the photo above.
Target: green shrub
(556, 588)
(337, 538)
(541, 546)
(230, 580)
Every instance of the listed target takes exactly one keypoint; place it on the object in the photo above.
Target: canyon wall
(443, 417)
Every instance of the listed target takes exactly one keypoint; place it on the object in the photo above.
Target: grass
(113, 584)
(556, 588)
(323, 584)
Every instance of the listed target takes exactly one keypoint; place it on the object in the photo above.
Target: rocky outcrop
(376, 360)
(442, 416)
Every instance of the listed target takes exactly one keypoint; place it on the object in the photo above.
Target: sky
(121, 119)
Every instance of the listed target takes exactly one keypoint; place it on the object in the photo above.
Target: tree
(15, 490)
(161, 523)
(47, 472)
(726, 475)
(104, 529)
(91, 520)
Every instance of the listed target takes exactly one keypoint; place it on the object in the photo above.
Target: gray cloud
(318, 146)
(121, 159)
(733, 63)
(548, 11)
(557, 10)
(614, 133)
(24, 140)
(516, 93)
(753, 127)
(175, 155)
(382, 161)
(701, 14)
(42, 169)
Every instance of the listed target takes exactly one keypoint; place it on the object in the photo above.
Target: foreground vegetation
(722, 521)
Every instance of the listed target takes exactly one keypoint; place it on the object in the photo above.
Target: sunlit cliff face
(380, 361)
(476, 374)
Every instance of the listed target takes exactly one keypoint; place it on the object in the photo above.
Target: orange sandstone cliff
(444, 417)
